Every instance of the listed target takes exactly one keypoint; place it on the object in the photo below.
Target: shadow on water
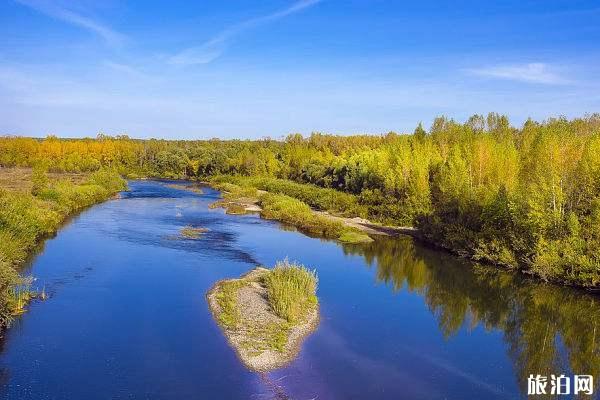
(220, 241)
(547, 329)
(275, 390)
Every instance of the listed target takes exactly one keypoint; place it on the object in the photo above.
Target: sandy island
(262, 340)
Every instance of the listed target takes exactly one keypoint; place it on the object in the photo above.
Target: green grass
(257, 337)
(319, 198)
(227, 299)
(272, 336)
(26, 218)
(291, 290)
(354, 237)
(294, 212)
(189, 188)
(234, 198)
(291, 294)
(233, 191)
(235, 209)
(286, 209)
(20, 295)
(189, 232)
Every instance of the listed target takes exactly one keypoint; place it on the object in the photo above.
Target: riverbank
(289, 210)
(454, 238)
(33, 205)
(371, 228)
(266, 314)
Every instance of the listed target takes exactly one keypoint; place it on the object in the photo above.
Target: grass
(322, 199)
(294, 212)
(189, 188)
(286, 209)
(29, 212)
(235, 209)
(353, 237)
(291, 295)
(272, 336)
(230, 207)
(235, 198)
(226, 297)
(291, 290)
(233, 191)
(257, 337)
(20, 295)
(189, 232)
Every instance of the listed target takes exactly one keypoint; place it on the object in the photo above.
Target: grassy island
(266, 313)
(190, 188)
(190, 232)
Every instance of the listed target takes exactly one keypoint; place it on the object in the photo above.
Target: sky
(251, 69)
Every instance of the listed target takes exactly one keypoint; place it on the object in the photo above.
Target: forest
(526, 198)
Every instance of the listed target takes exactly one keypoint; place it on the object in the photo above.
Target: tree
(420, 134)
(39, 179)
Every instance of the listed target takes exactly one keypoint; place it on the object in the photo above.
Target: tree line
(526, 198)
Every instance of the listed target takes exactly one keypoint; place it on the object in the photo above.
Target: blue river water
(127, 316)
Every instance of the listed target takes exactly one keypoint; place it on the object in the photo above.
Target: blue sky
(201, 69)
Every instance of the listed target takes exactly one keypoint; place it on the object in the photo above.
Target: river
(127, 316)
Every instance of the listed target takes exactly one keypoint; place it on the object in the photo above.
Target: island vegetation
(190, 188)
(33, 205)
(191, 232)
(525, 198)
(266, 314)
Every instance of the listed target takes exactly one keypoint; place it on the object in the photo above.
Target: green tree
(39, 179)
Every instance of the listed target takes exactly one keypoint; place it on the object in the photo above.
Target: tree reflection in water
(548, 329)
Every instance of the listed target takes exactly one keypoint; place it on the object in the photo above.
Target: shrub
(319, 198)
(294, 212)
(109, 180)
(291, 290)
(39, 179)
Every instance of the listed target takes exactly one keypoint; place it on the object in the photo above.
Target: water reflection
(131, 299)
(547, 329)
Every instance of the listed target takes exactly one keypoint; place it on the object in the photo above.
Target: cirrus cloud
(540, 73)
(54, 10)
(213, 48)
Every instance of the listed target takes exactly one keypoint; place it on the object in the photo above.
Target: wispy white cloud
(122, 68)
(54, 10)
(214, 47)
(533, 73)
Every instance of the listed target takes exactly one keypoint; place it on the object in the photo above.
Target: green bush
(39, 179)
(316, 197)
(109, 180)
(294, 212)
(291, 290)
